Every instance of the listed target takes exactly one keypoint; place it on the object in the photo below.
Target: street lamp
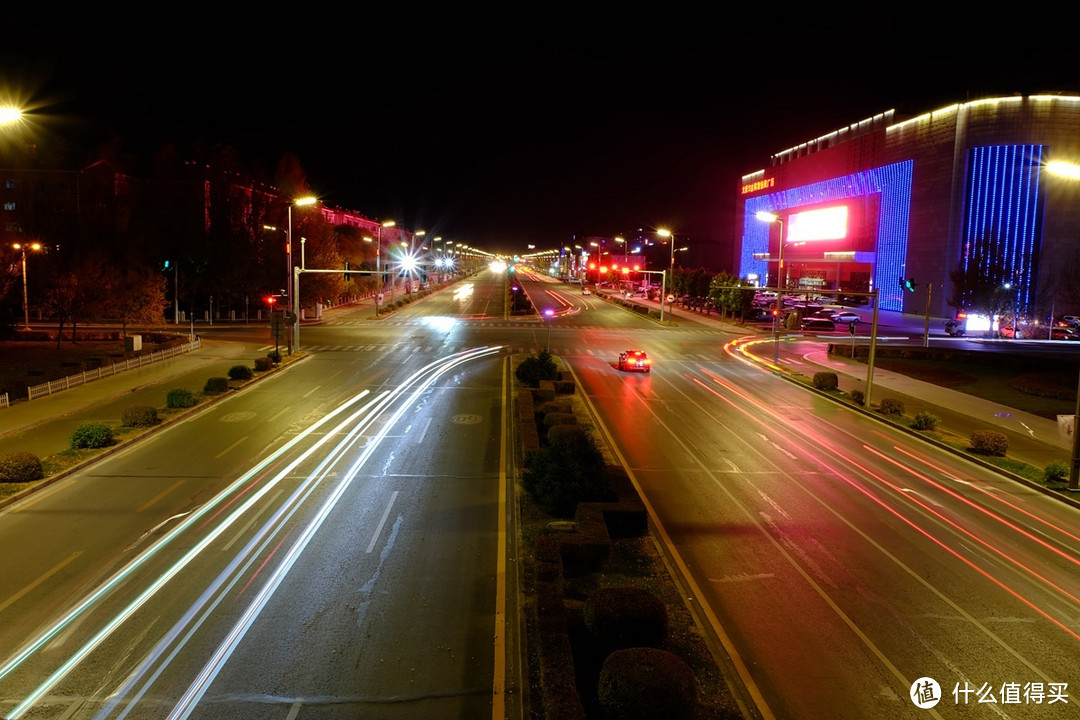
(1070, 171)
(292, 295)
(23, 247)
(780, 282)
(671, 268)
(9, 114)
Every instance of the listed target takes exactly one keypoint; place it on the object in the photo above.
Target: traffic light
(270, 300)
(910, 284)
(346, 271)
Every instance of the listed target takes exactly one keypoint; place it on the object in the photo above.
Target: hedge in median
(989, 442)
(644, 683)
(139, 416)
(92, 435)
(180, 398)
(20, 467)
(215, 385)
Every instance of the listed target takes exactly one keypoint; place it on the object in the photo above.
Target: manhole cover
(467, 419)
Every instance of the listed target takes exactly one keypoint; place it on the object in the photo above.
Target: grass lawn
(997, 383)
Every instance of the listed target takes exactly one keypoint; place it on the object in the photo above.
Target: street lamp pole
(292, 292)
(25, 298)
(288, 267)
(671, 273)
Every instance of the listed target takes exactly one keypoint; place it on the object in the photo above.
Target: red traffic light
(270, 300)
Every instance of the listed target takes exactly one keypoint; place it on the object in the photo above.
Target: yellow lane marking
(57, 568)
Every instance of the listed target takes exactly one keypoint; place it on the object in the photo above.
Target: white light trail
(373, 409)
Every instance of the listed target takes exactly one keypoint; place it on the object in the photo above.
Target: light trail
(373, 409)
(826, 463)
(198, 688)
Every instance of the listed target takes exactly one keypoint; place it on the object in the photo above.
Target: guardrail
(54, 386)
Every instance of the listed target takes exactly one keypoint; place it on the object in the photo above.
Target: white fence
(4, 401)
(54, 386)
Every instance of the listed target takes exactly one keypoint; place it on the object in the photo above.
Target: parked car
(635, 361)
(1071, 320)
(585, 291)
(758, 315)
(846, 316)
(1064, 333)
(818, 324)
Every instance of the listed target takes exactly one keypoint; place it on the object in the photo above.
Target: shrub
(559, 418)
(1056, 471)
(275, 356)
(989, 442)
(19, 467)
(569, 470)
(646, 684)
(622, 617)
(557, 430)
(535, 368)
(892, 406)
(858, 397)
(240, 372)
(215, 385)
(559, 406)
(92, 435)
(263, 364)
(826, 381)
(180, 398)
(925, 421)
(139, 416)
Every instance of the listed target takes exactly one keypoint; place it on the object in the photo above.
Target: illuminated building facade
(886, 201)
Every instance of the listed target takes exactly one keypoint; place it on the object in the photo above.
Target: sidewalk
(44, 426)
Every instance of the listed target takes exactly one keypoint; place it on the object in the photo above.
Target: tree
(977, 284)
(135, 295)
(60, 300)
(725, 290)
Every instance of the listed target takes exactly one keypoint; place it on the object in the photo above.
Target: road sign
(671, 298)
(290, 318)
(378, 298)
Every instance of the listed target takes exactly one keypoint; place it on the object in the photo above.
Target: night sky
(502, 133)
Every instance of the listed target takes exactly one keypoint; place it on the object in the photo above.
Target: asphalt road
(325, 543)
(793, 520)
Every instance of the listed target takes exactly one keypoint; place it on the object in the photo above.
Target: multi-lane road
(333, 543)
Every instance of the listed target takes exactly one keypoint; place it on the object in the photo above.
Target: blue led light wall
(1003, 216)
(893, 185)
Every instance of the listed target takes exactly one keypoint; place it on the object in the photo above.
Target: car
(1071, 320)
(846, 316)
(818, 324)
(1007, 331)
(1064, 333)
(758, 315)
(954, 328)
(635, 361)
(585, 291)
